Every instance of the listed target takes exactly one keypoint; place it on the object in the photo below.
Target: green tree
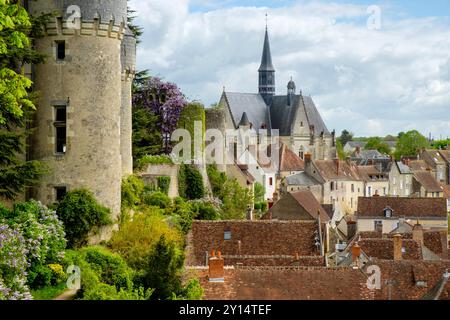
(345, 137)
(217, 180)
(441, 144)
(260, 192)
(236, 200)
(410, 143)
(81, 214)
(163, 271)
(16, 102)
(376, 143)
(340, 150)
(190, 182)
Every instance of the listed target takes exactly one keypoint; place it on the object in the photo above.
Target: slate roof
(371, 173)
(301, 179)
(266, 59)
(369, 154)
(402, 207)
(402, 168)
(313, 116)
(355, 144)
(251, 103)
(289, 161)
(426, 179)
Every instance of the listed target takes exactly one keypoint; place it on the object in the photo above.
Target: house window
(60, 193)
(301, 154)
(60, 129)
(378, 225)
(401, 185)
(227, 235)
(351, 203)
(384, 191)
(270, 181)
(60, 50)
(369, 191)
(331, 185)
(388, 212)
(353, 187)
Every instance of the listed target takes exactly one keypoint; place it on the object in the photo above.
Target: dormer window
(388, 212)
(227, 235)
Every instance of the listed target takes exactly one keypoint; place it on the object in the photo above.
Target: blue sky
(372, 82)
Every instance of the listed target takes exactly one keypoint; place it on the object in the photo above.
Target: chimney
(417, 233)
(307, 159)
(216, 267)
(356, 252)
(398, 246)
(336, 163)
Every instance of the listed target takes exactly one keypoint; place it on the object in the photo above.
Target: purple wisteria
(163, 99)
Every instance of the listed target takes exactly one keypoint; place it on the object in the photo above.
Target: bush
(132, 189)
(81, 214)
(217, 180)
(163, 270)
(136, 238)
(151, 159)
(109, 267)
(207, 208)
(39, 276)
(41, 227)
(157, 199)
(236, 200)
(192, 183)
(164, 184)
(13, 264)
(58, 274)
(260, 192)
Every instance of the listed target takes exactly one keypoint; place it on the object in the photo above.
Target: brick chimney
(356, 252)
(336, 164)
(307, 157)
(398, 245)
(417, 233)
(216, 267)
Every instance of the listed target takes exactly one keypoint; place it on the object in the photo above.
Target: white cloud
(371, 82)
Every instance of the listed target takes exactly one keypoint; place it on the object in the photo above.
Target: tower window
(60, 50)
(60, 129)
(60, 193)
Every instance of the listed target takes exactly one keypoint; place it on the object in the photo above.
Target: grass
(50, 292)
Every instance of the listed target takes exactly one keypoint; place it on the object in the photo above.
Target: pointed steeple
(266, 60)
(244, 120)
(266, 71)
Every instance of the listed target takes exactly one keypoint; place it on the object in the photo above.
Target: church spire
(266, 71)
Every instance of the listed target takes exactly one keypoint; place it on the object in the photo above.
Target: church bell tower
(266, 72)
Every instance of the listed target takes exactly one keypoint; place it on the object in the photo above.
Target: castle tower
(83, 121)
(128, 58)
(266, 72)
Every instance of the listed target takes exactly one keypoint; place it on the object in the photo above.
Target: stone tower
(83, 121)
(266, 72)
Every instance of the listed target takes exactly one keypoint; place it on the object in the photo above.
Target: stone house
(383, 214)
(301, 181)
(425, 185)
(352, 146)
(437, 163)
(446, 156)
(341, 184)
(376, 182)
(400, 180)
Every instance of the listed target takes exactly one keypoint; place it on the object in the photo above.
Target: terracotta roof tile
(328, 169)
(402, 207)
(384, 249)
(289, 161)
(426, 179)
(418, 165)
(306, 199)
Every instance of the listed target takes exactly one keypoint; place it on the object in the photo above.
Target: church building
(294, 115)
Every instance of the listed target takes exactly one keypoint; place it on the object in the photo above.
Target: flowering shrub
(31, 236)
(13, 265)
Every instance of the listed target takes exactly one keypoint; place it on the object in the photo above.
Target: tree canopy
(410, 143)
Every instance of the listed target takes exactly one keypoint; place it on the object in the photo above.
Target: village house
(352, 146)
(376, 182)
(383, 214)
(371, 157)
(446, 156)
(400, 180)
(341, 184)
(301, 181)
(436, 162)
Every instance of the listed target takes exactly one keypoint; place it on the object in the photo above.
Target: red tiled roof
(251, 238)
(418, 165)
(289, 161)
(446, 189)
(402, 207)
(384, 248)
(328, 170)
(427, 181)
(306, 199)
(275, 283)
